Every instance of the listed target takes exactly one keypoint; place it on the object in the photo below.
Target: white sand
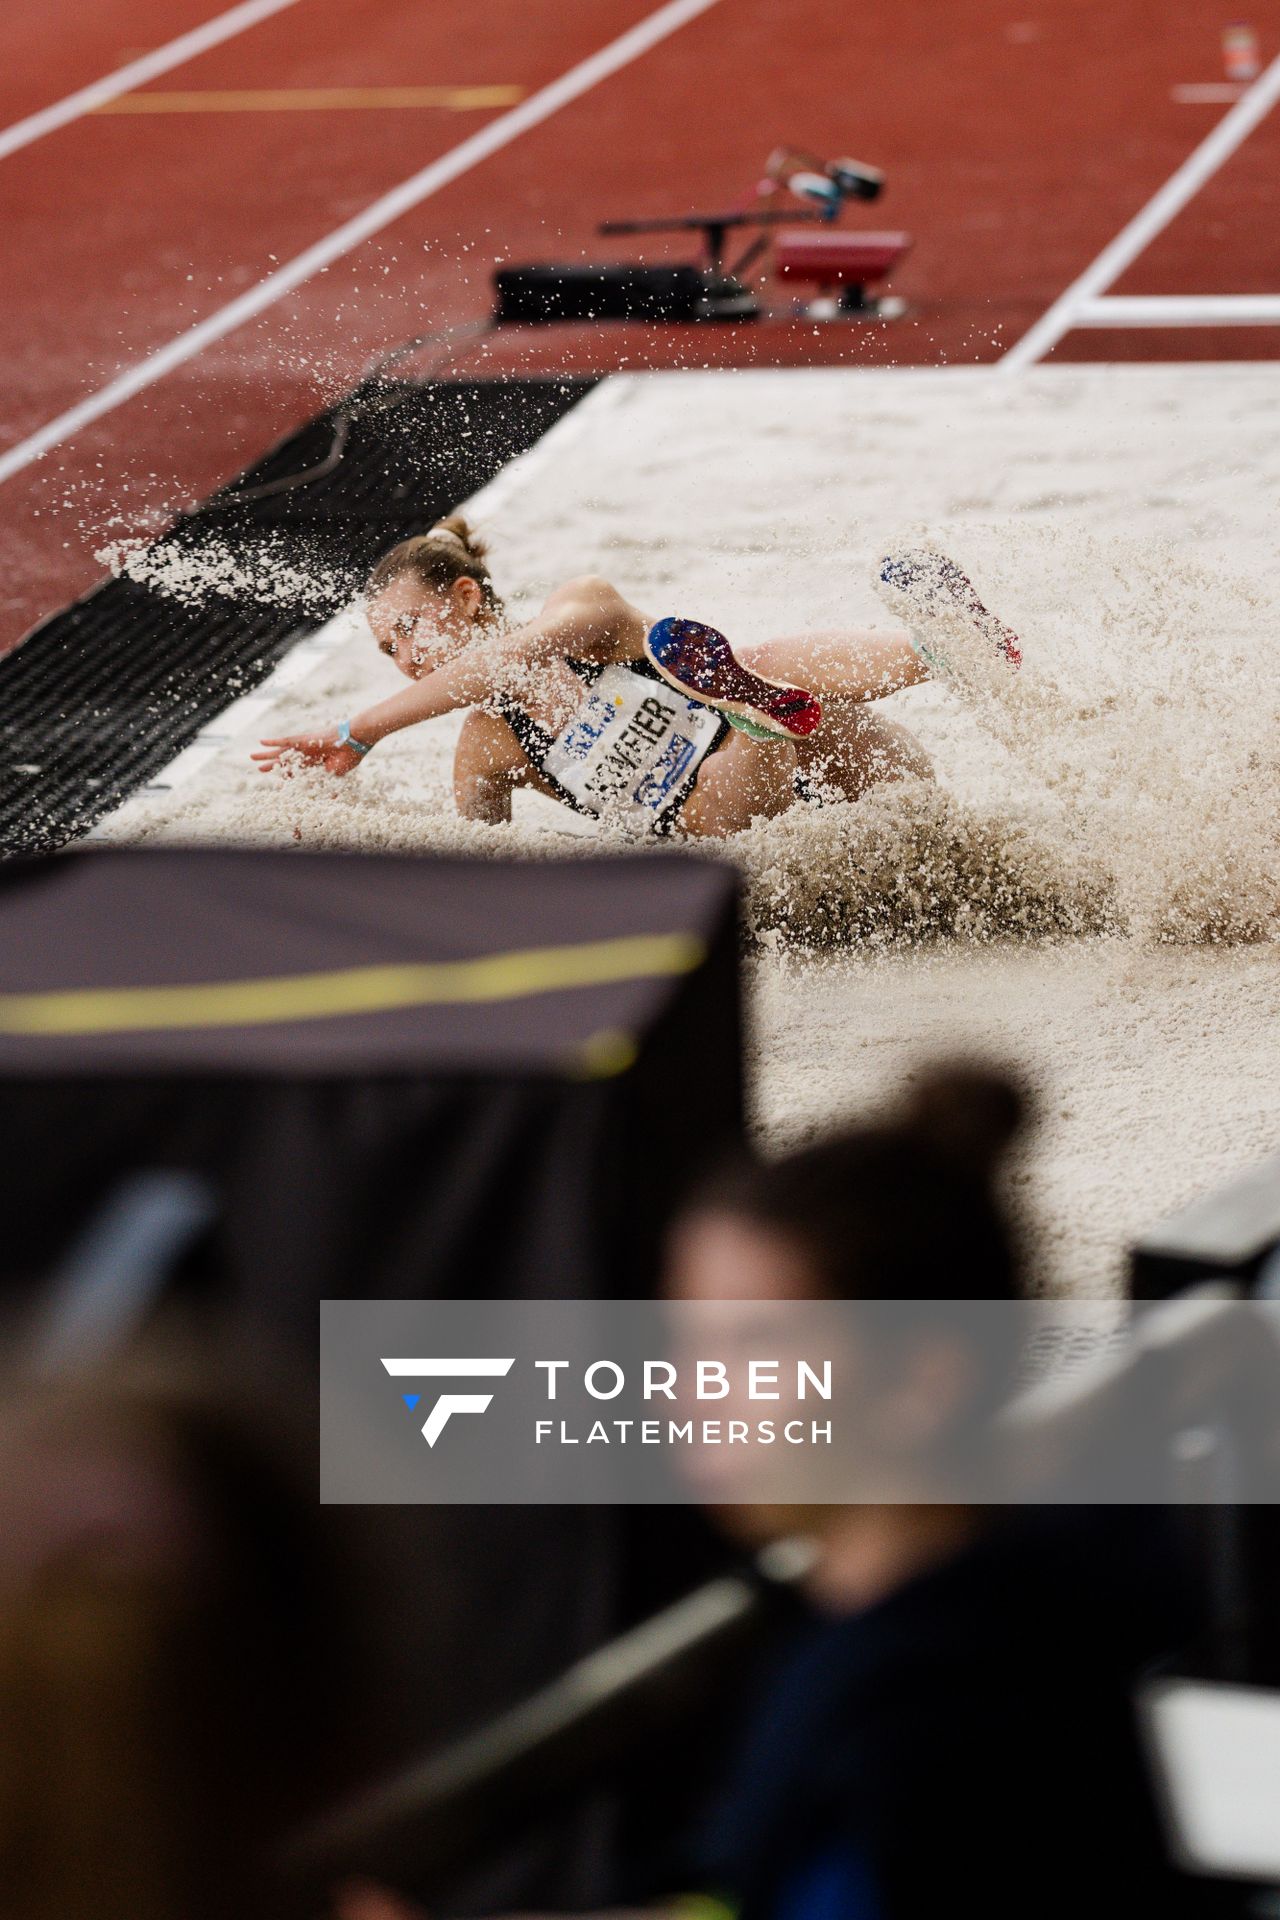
(1091, 891)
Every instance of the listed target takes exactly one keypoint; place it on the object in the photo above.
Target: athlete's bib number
(630, 751)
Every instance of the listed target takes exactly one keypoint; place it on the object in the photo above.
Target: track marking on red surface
(1208, 93)
(380, 213)
(149, 66)
(1181, 310)
(315, 99)
(1081, 304)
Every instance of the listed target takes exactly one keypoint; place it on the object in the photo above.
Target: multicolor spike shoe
(699, 662)
(920, 582)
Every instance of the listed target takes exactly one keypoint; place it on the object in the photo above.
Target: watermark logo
(447, 1404)
(724, 1403)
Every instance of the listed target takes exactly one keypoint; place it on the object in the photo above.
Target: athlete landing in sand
(662, 725)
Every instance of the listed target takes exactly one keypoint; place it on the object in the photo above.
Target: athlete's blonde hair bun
(456, 531)
(449, 551)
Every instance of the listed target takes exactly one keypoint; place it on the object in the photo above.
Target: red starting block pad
(849, 261)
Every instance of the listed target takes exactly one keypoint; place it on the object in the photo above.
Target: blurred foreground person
(171, 1674)
(945, 1718)
(950, 1720)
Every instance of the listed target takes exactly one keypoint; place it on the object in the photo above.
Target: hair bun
(456, 527)
(967, 1112)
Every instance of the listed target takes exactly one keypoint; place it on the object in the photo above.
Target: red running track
(1018, 138)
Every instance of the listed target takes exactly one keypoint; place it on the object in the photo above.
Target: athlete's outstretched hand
(308, 750)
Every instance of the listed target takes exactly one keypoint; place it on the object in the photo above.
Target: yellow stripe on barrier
(351, 990)
(314, 99)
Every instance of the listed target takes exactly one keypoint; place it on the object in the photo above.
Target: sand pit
(1091, 891)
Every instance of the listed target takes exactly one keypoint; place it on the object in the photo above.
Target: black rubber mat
(103, 694)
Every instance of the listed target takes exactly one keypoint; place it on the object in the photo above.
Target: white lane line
(148, 66)
(381, 213)
(1181, 310)
(1178, 189)
(1207, 93)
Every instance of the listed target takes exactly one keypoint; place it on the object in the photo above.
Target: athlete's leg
(853, 663)
(744, 780)
(855, 748)
(859, 748)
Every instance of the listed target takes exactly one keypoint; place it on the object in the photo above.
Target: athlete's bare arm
(488, 764)
(585, 618)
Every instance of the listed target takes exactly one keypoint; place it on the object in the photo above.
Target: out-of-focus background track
(1017, 144)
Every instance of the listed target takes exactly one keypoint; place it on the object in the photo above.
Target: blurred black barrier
(601, 1720)
(1227, 1235)
(396, 1078)
(117, 1272)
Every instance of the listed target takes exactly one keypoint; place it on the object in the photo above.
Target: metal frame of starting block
(841, 265)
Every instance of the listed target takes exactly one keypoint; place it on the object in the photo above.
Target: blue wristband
(347, 739)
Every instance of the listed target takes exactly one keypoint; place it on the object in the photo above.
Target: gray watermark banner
(780, 1403)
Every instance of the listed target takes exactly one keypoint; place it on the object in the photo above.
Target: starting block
(842, 266)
